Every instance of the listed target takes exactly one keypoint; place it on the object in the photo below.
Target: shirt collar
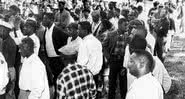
(88, 36)
(146, 76)
(51, 28)
(30, 58)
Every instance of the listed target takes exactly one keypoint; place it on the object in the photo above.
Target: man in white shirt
(29, 29)
(33, 82)
(145, 86)
(73, 42)
(159, 71)
(86, 16)
(3, 73)
(90, 51)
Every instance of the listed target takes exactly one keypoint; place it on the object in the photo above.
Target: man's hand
(12, 73)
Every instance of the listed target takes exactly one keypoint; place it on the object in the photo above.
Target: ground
(175, 65)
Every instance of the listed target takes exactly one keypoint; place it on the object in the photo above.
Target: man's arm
(37, 83)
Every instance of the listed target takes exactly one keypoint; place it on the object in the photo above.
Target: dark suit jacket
(59, 39)
(109, 44)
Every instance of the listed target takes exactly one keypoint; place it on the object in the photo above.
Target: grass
(175, 65)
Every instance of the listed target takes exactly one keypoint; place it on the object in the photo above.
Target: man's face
(95, 18)
(163, 13)
(72, 32)
(86, 14)
(61, 6)
(24, 50)
(123, 26)
(133, 65)
(46, 21)
(27, 29)
(81, 32)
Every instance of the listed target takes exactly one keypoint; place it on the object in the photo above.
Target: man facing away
(75, 81)
(146, 86)
(33, 82)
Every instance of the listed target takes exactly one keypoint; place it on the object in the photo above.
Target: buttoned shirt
(49, 42)
(145, 87)
(33, 78)
(90, 54)
(3, 74)
(72, 46)
(76, 82)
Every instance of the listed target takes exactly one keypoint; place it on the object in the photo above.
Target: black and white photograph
(92, 49)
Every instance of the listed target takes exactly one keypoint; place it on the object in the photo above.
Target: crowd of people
(87, 51)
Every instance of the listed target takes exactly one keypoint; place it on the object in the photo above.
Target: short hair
(50, 16)
(32, 24)
(86, 10)
(137, 43)
(15, 8)
(142, 32)
(106, 24)
(29, 43)
(62, 2)
(85, 25)
(103, 15)
(73, 25)
(148, 57)
(122, 20)
(156, 3)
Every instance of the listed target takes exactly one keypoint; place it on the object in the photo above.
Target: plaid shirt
(76, 82)
(120, 45)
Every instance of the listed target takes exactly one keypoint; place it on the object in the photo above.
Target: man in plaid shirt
(75, 81)
(114, 50)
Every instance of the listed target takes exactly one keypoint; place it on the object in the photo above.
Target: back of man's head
(85, 25)
(146, 57)
(137, 43)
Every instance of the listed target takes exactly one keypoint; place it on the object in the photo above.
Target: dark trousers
(158, 50)
(2, 96)
(115, 71)
(56, 65)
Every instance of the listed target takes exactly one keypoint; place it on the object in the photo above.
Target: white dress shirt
(36, 43)
(72, 47)
(145, 87)
(49, 42)
(3, 74)
(90, 54)
(161, 74)
(33, 77)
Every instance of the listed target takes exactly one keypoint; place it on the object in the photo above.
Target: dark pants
(2, 96)
(158, 50)
(115, 70)
(56, 65)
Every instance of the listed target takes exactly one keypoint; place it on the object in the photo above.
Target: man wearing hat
(75, 81)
